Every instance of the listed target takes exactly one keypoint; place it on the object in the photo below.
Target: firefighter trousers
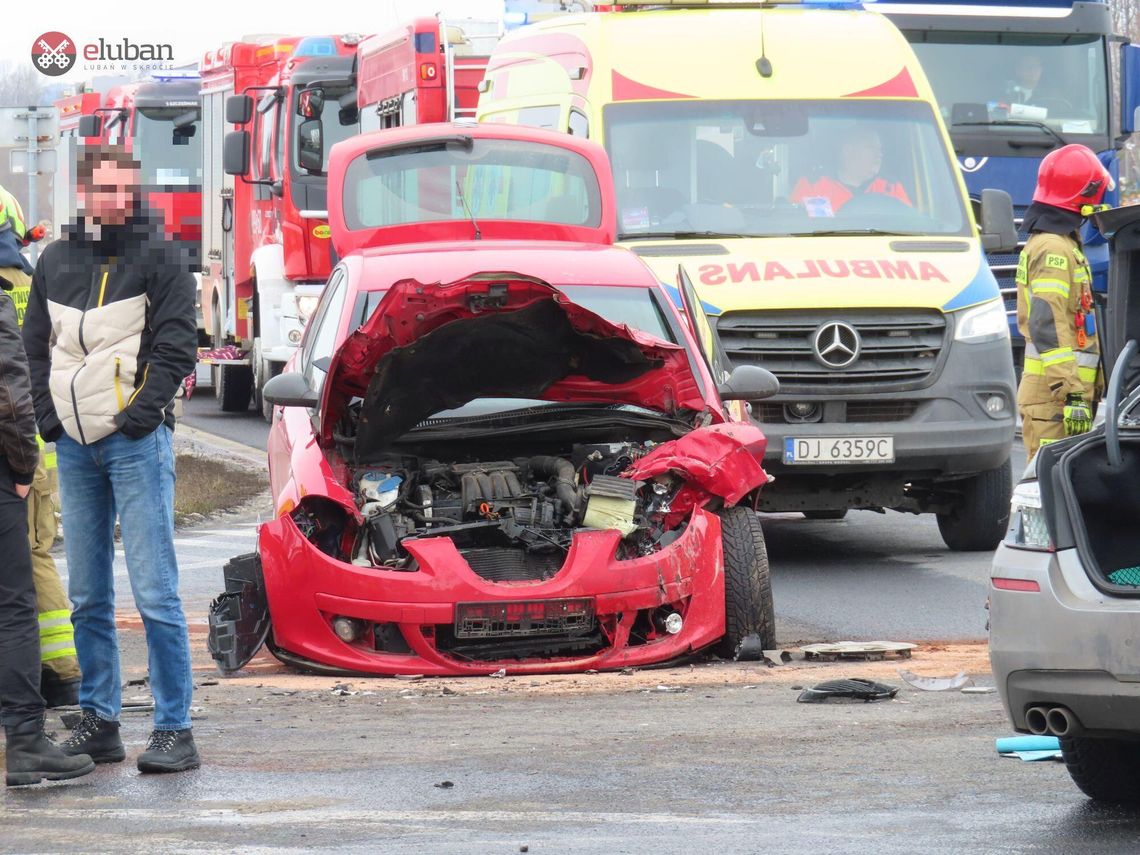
(1042, 418)
(57, 638)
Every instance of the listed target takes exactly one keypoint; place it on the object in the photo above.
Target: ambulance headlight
(987, 322)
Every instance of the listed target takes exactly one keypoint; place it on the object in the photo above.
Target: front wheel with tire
(1107, 770)
(980, 515)
(749, 610)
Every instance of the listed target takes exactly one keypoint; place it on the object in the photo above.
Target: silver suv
(1065, 584)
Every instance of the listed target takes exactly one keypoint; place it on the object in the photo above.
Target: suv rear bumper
(1103, 705)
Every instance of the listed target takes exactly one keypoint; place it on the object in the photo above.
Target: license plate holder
(521, 618)
(839, 450)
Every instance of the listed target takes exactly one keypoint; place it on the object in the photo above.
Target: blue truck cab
(1015, 81)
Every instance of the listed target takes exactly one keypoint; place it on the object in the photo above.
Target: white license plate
(840, 449)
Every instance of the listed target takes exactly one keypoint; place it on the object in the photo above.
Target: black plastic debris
(750, 649)
(853, 689)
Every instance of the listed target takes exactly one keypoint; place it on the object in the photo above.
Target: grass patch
(206, 485)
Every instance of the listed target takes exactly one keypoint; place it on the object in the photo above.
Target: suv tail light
(1027, 528)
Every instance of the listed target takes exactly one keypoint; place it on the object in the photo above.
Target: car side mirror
(235, 153)
(239, 109)
(90, 126)
(290, 390)
(997, 226)
(311, 146)
(748, 383)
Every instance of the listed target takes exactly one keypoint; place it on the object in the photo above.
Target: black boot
(97, 738)
(169, 751)
(57, 692)
(30, 756)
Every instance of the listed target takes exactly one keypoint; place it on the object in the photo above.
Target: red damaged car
(500, 444)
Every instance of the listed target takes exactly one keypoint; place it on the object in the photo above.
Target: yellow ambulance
(790, 161)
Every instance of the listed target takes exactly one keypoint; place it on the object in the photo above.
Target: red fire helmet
(1071, 177)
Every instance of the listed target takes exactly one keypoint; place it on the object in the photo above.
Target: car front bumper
(409, 615)
(1066, 645)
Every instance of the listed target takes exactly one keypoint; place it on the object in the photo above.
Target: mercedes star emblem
(836, 344)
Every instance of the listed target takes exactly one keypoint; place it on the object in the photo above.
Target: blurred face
(1028, 72)
(110, 196)
(862, 158)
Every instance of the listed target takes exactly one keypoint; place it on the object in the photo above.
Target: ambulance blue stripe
(983, 287)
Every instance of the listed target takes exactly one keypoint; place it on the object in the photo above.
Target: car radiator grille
(899, 349)
(502, 564)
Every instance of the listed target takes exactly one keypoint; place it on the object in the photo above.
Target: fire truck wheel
(235, 388)
(749, 610)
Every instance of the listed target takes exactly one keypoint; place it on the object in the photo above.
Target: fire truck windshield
(167, 159)
(984, 82)
(763, 168)
(489, 180)
(334, 131)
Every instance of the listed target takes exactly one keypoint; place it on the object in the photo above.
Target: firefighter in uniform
(59, 681)
(1060, 381)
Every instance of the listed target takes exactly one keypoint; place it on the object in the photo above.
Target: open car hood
(434, 347)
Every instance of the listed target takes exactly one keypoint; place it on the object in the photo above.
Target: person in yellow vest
(59, 680)
(1060, 381)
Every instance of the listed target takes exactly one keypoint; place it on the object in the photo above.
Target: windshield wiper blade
(1014, 123)
(859, 232)
(679, 235)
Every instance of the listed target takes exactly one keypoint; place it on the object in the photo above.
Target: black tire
(235, 388)
(1107, 770)
(825, 515)
(747, 583)
(980, 520)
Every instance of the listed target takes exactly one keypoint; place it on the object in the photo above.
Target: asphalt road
(870, 576)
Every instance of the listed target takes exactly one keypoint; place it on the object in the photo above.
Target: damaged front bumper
(407, 620)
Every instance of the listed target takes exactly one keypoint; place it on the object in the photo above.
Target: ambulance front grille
(898, 349)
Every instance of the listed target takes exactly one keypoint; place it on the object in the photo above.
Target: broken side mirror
(239, 109)
(311, 103)
(235, 153)
(90, 126)
(997, 226)
(749, 383)
(311, 146)
(290, 390)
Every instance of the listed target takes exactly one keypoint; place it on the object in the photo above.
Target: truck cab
(818, 211)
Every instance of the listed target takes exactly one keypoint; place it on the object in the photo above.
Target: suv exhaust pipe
(1061, 722)
(1037, 720)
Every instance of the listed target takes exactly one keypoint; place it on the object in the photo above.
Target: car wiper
(860, 232)
(680, 235)
(1016, 123)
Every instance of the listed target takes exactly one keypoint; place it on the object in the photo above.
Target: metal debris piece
(853, 689)
(502, 672)
(978, 690)
(935, 684)
(625, 672)
(444, 785)
(777, 657)
(669, 690)
(342, 690)
(864, 650)
(409, 677)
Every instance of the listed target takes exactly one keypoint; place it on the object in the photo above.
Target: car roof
(556, 262)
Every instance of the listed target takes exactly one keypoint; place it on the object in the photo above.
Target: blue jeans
(135, 479)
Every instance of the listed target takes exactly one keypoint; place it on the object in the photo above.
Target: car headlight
(987, 322)
(1027, 527)
(306, 305)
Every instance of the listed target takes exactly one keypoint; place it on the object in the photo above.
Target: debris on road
(1031, 749)
(343, 690)
(411, 678)
(935, 684)
(750, 649)
(978, 690)
(777, 657)
(444, 785)
(853, 689)
(865, 650)
(502, 672)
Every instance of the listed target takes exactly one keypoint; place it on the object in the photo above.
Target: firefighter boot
(97, 738)
(58, 692)
(169, 751)
(30, 756)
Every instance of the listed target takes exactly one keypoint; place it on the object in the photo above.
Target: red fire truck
(427, 70)
(71, 109)
(157, 121)
(266, 245)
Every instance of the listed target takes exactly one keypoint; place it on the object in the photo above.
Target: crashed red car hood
(434, 347)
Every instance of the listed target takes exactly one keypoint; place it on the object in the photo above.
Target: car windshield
(981, 78)
(764, 168)
(168, 159)
(481, 179)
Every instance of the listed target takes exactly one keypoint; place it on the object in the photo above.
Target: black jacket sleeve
(37, 344)
(172, 320)
(17, 416)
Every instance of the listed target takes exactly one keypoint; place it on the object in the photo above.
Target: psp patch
(1057, 261)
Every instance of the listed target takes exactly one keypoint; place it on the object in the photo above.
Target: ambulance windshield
(767, 168)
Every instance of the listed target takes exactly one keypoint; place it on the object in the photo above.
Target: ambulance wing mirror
(239, 109)
(998, 229)
(235, 153)
(311, 146)
(90, 126)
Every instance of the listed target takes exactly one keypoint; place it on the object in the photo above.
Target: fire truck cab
(266, 244)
